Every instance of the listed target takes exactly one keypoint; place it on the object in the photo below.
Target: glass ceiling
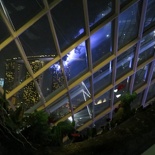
(68, 57)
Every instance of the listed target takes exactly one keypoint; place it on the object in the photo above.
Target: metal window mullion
(89, 56)
(60, 55)
(86, 17)
(7, 22)
(21, 50)
(115, 49)
(132, 79)
(40, 92)
(132, 2)
(140, 34)
(24, 57)
(90, 64)
(148, 84)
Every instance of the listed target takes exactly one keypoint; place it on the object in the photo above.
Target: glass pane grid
(40, 47)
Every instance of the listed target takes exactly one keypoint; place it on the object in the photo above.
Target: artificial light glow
(70, 118)
(99, 102)
(104, 100)
(118, 95)
(107, 35)
(116, 90)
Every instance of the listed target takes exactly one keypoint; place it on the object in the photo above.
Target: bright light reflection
(70, 118)
(118, 95)
(115, 90)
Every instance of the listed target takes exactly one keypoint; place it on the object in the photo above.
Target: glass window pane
(52, 81)
(59, 108)
(15, 73)
(99, 124)
(102, 103)
(4, 33)
(75, 62)
(150, 14)
(121, 89)
(151, 92)
(141, 76)
(128, 25)
(145, 54)
(137, 101)
(83, 116)
(147, 48)
(12, 67)
(153, 76)
(71, 26)
(28, 96)
(102, 75)
(80, 93)
(38, 41)
(21, 12)
(125, 63)
(124, 2)
(98, 10)
(101, 44)
(148, 40)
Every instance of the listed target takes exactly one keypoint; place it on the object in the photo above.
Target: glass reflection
(150, 14)
(121, 89)
(148, 40)
(123, 2)
(39, 34)
(4, 33)
(128, 25)
(80, 93)
(147, 47)
(141, 77)
(145, 55)
(75, 62)
(151, 92)
(20, 12)
(125, 63)
(83, 116)
(101, 44)
(71, 26)
(153, 76)
(99, 10)
(59, 108)
(102, 103)
(102, 78)
(52, 81)
(12, 67)
(137, 101)
(28, 96)
(101, 123)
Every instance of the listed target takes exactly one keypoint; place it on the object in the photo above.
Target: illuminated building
(102, 50)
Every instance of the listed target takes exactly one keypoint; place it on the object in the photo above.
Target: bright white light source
(104, 100)
(107, 35)
(99, 102)
(118, 95)
(70, 118)
(115, 90)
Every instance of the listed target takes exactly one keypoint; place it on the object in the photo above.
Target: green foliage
(124, 110)
(38, 130)
(60, 130)
(128, 98)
